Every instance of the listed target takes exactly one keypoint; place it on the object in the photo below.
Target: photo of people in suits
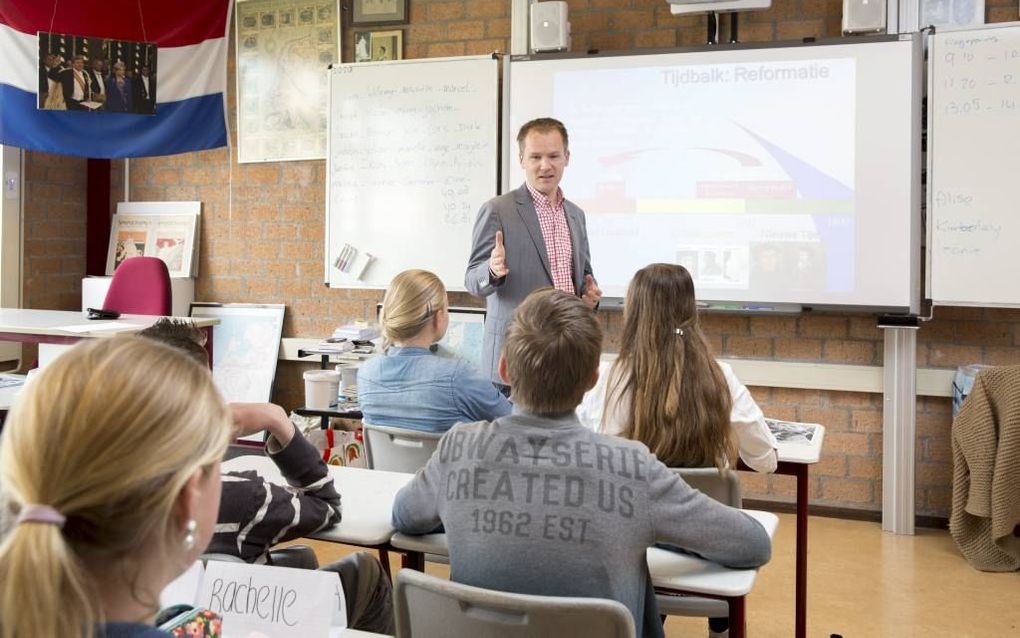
(96, 75)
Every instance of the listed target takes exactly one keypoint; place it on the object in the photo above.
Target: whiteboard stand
(899, 414)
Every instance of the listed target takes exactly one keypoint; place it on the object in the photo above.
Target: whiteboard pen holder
(354, 266)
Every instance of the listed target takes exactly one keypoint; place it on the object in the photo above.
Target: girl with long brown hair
(666, 389)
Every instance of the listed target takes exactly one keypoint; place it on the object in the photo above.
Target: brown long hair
(678, 403)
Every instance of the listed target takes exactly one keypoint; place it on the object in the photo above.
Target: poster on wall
(167, 230)
(284, 50)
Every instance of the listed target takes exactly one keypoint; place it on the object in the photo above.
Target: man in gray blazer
(529, 238)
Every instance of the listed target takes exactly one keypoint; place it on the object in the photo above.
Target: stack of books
(334, 346)
(356, 332)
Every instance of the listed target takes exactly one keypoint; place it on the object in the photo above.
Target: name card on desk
(259, 600)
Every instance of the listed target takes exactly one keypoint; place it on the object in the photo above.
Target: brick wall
(263, 227)
(53, 260)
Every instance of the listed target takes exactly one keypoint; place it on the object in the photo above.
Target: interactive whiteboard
(776, 174)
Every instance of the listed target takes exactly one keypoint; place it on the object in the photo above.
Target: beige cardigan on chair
(986, 472)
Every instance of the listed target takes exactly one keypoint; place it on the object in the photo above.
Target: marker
(758, 308)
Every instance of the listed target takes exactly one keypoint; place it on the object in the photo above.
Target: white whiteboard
(776, 174)
(974, 166)
(412, 156)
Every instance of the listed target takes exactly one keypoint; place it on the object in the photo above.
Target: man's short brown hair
(552, 350)
(543, 125)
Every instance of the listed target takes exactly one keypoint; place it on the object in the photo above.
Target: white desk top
(670, 570)
(801, 452)
(366, 499)
(673, 570)
(55, 322)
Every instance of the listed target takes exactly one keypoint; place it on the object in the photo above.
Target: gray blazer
(526, 258)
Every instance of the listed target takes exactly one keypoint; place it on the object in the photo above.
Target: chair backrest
(429, 607)
(399, 449)
(724, 487)
(140, 286)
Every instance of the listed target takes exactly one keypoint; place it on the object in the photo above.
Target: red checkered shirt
(553, 220)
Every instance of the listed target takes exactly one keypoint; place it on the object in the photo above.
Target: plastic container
(321, 388)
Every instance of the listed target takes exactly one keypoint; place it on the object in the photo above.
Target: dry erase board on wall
(974, 166)
(775, 174)
(413, 153)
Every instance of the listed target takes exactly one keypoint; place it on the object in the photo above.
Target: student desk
(672, 572)
(50, 326)
(366, 498)
(795, 460)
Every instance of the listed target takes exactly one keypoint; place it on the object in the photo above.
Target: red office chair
(140, 286)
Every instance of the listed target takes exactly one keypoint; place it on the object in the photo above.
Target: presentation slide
(751, 168)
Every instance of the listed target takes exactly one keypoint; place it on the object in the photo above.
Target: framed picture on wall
(377, 12)
(378, 46)
(167, 230)
(284, 49)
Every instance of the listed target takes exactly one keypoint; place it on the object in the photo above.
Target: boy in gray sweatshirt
(536, 503)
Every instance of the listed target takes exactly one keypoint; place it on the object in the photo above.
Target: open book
(798, 442)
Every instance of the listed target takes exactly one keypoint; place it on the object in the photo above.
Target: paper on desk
(99, 327)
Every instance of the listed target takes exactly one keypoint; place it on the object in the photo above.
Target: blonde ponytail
(413, 298)
(107, 436)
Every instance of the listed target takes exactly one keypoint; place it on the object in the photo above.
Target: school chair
(140, 286)
(724, 488)
(398, 449)
(429, 607)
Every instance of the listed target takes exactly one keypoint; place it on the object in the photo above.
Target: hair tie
(679, 332)
(40, 514)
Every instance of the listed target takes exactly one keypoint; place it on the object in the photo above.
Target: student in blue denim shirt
(412, 385)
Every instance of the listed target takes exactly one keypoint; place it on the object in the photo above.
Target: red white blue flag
(191, 38)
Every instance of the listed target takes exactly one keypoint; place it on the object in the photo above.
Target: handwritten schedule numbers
(975, 134)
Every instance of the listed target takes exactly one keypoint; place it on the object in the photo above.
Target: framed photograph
(952, 14)
(377, 12)
(284, 50)
(378, 46)
(246, 345)
(168, 230)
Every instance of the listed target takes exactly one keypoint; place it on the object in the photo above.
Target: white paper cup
(348, 377)
(321, 388)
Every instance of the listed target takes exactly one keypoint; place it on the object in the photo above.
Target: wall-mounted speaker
(550, 30)
(864, 16)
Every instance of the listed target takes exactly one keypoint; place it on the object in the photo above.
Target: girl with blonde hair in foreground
(110, 458)
(667, 390)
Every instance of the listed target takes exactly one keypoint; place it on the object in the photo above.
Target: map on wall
(284, 49)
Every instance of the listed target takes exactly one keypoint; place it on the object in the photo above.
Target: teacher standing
(529, 238)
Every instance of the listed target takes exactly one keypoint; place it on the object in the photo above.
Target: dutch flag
(191, 64)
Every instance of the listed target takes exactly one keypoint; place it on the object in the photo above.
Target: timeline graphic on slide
(743, 172)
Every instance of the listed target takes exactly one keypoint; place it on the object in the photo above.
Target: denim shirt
(416, 389)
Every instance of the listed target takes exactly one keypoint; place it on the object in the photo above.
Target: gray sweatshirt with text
(545, 506)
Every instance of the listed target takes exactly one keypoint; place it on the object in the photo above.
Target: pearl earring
(189, 538)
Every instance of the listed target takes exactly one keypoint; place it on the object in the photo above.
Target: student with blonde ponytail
(413, 385)
(110, 460)
(666, 389)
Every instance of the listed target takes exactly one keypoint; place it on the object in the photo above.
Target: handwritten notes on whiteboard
(974, 112)
(413, 155)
